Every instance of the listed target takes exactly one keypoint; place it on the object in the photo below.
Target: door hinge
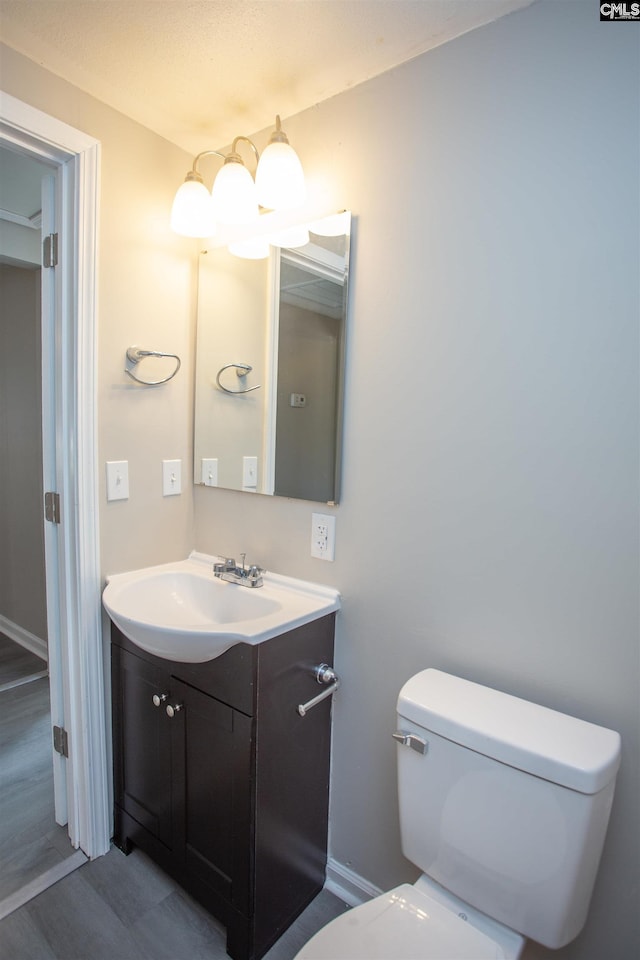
(50, 250)
(52, 507)
(61, 741)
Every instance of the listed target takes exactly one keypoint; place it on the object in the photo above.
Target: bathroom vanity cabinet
(221, 782)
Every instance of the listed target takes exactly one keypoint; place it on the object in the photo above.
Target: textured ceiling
(199, 72)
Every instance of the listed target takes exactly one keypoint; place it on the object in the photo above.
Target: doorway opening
(33, 834)
(72, 570)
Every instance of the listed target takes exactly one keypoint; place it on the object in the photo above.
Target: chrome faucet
(246, 576)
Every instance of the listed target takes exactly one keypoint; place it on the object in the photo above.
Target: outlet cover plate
(323, 536)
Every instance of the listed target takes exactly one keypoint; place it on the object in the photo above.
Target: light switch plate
(209, 471)
(250, 473)
(117, 480)
(171, 477)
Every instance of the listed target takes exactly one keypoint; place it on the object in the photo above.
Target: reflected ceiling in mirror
(270, 367)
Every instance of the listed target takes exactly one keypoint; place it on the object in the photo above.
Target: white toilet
(504, 804)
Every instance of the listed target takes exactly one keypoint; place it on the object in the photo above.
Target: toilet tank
(508, 806)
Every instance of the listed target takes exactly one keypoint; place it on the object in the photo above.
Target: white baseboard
(27, 640)
(30, 890)
(348, 885)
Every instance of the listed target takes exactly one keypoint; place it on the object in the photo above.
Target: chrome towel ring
(135, 355)
(242, 369)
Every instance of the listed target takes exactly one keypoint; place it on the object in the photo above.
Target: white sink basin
(180, 611)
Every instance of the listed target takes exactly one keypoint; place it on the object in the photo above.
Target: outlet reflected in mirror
(270, 369)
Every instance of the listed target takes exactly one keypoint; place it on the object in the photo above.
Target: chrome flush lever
(411, 740)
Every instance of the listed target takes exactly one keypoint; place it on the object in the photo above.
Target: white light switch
(250, 473)
(171, 477)
(209, 475)
(117, 480)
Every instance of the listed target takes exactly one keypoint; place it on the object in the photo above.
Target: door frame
(69, 367)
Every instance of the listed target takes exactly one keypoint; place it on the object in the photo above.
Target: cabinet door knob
(159, 698)
(173, 708)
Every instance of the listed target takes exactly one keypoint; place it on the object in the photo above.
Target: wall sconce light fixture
(235, 198)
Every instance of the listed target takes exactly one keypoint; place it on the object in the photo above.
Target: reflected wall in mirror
(270, 367)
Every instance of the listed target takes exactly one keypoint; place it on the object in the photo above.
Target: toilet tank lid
(554, 746)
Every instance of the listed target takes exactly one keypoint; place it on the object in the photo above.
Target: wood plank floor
(126, 908)
(30, 840)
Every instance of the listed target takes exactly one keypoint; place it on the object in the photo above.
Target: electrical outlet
(323, 536)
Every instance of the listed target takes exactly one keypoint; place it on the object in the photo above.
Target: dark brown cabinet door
(228, 789)
(211, 746)
(143, 768)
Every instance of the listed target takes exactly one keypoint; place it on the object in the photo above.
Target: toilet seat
(403, 923)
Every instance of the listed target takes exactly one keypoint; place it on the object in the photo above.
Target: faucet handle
(255, 575)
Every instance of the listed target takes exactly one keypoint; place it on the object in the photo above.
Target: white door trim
(75, 636)
(51, 196)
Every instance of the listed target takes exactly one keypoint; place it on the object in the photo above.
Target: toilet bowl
(413, 922)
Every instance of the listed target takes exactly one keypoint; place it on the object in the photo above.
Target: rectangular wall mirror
(270, 367)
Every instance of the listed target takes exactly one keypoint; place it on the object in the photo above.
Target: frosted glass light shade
(256, 248)
(280, 178)
(335, 225)
(234, 195)
(292, 237)
(192, 211)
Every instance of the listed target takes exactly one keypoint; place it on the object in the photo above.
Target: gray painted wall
(489, 518)
(22, 582)
(488, 522)
(308, 350)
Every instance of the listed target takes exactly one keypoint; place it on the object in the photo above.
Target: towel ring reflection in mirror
(135, 355)
(242, 369)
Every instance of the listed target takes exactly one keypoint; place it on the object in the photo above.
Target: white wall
(488, 524)
(19, 243)
(233, 298)
(146, 297)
